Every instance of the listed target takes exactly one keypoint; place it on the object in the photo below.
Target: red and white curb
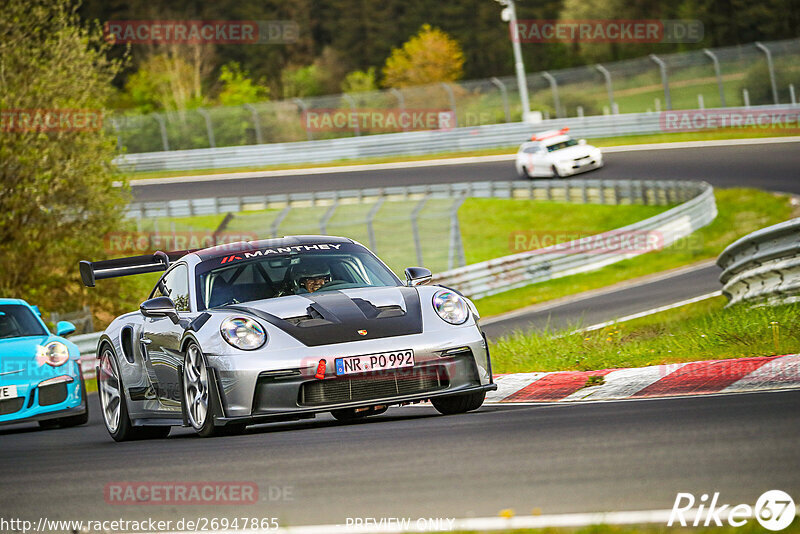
(762, 373)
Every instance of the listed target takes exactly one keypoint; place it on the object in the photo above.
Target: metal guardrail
(87, 344)
(518, 270)
(408, 143)
(763, 265)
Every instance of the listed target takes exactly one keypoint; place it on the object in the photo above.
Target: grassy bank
(701, 331)
(740, 211)
(722, 133)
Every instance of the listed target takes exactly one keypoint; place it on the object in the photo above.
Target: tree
(238, 88)
(57, 194)
(360, 81)
(430, 56)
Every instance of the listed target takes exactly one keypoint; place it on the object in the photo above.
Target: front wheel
(459, 403)
(556, 174)
(524, 173)
(200, 398)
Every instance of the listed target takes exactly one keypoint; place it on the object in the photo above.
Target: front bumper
(450, 364)
(569, 168)
(37, 403)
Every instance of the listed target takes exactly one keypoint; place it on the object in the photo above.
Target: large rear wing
(149, 263)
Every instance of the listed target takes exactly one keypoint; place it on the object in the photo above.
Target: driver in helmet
(310, 275)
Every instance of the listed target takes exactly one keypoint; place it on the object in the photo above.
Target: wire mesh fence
(753, 74)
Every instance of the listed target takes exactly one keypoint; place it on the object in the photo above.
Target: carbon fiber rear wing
(149, 263)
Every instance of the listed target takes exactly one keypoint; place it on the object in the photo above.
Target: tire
(350, 414)
(459, 403)
(115, 414)
(200, 398)
(525, 174)
(556, 174)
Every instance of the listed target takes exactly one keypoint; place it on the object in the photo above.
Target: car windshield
(17, 320)
(295, 270)
(562, 144)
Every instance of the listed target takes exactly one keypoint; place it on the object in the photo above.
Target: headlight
(243, 333)
(450, 306)
(55, 353)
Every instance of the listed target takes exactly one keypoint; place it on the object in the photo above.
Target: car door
(161, 337)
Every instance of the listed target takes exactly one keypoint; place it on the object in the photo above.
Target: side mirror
(64, 328)
(582, 141)
(160, 307)
(418, 276)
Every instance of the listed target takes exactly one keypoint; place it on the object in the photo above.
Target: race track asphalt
(411, 462)
(773, 167)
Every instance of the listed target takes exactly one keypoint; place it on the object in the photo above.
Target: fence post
(323, 222)
(554, 88)
(163, 127)
(273, 229)
(746, 97)
(771, 68)
(256, 123)
(351, 101)
(209, 128)
(401, 103)
(370, 218)
(303, 110)
(718, 74)
(452, 98)
(701, 104)
(664, 79)
(607, 75)
(118, 130)
(504, 93)
(455, 255)
(791, 94)
(415, 228)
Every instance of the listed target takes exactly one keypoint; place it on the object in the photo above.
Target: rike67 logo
(774, 510)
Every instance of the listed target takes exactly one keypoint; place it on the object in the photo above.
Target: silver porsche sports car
(282, 329)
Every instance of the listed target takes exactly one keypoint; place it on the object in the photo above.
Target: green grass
(701, 331)
(489, 226)
(741, 211)
(722, 133)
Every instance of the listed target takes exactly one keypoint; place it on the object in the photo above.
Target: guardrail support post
(718, 74)
(452, 98)
(771, 68)
(415, 228)
(607, 75)
(664, 79)
(504, 93)
(373, 212)
(256, 123)
(554, 88)
(209, 127)
(163, 127)
(303, 110)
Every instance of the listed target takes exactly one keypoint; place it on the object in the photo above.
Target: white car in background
(554, 154)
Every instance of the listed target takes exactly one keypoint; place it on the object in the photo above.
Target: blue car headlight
(243, 333)
(54, 354)
(450, 306)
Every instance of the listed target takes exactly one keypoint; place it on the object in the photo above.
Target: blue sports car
(40, 373)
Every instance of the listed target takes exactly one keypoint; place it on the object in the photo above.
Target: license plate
(8, 392)
(374, 362)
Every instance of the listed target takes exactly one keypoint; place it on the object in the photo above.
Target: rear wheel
(200, 397)
(459, 403)
(114, 406)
